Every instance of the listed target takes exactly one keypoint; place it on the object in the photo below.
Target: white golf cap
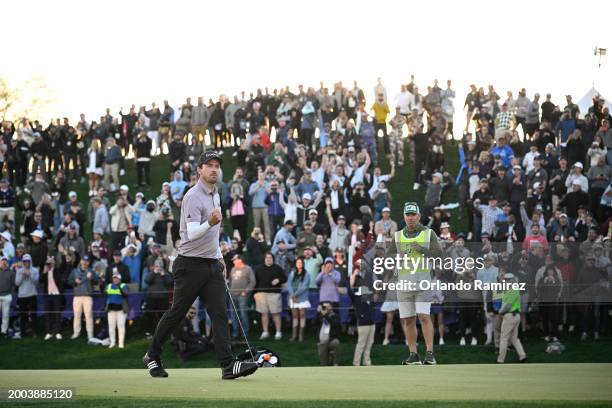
(386, 209)
(124, 187)
(139, 194)
(437, 174)
(72, 194)
(537, 184)
(307, 196)
(445, 225)
(578, 164)
(6, 235)
(38, 233)
(313, 211)
(576, 183)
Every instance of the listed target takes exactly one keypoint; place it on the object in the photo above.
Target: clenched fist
(215, 217)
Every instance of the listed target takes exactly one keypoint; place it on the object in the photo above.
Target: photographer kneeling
(189, 343)
(329, 330)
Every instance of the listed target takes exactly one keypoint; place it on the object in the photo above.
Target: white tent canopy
(587, 101)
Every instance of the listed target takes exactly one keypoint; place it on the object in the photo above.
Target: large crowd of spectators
(304, 208)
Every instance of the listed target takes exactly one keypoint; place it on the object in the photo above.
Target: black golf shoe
(238, 369)
(155, 366)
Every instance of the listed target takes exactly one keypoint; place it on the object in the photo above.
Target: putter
(239, 322)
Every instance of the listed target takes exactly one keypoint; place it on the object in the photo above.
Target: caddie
(418, 243)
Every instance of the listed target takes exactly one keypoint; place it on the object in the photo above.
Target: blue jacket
(505, 153)
(274, 207)
(133, 265)
(301, 289)
(86, 287)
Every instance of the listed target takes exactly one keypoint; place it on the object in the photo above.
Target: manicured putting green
(585, 384)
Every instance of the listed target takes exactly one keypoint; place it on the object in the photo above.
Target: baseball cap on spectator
(342, 217)
(576, 183)
(508, 276)
(208, 156)
(85, 258)
(386, 209)
(563, 215)
(517, 167)
(484, 235)
(329, 259)
(3, 258)
(351, 148)
(37, 233)
(6, 235)
(471, 142)
(437, 174)
(445, 225)
(20, 246)
(27, 258)
(117, 275)
(550, 145)
(461, 235)
(140, 194)
(165, 183)
(537, 184)
(132, 246)
(124, 187)
(313, 211)
(72, 194)
(578, 164)
(306, 196)
(289, 222)
(73, 226)
(116, 252)
(411, 207)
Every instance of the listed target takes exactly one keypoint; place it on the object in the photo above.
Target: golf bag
(259, 353)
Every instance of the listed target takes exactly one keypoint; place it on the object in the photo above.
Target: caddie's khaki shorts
(413, 303)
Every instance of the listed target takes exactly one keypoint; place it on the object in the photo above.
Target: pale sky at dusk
(100, 54)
